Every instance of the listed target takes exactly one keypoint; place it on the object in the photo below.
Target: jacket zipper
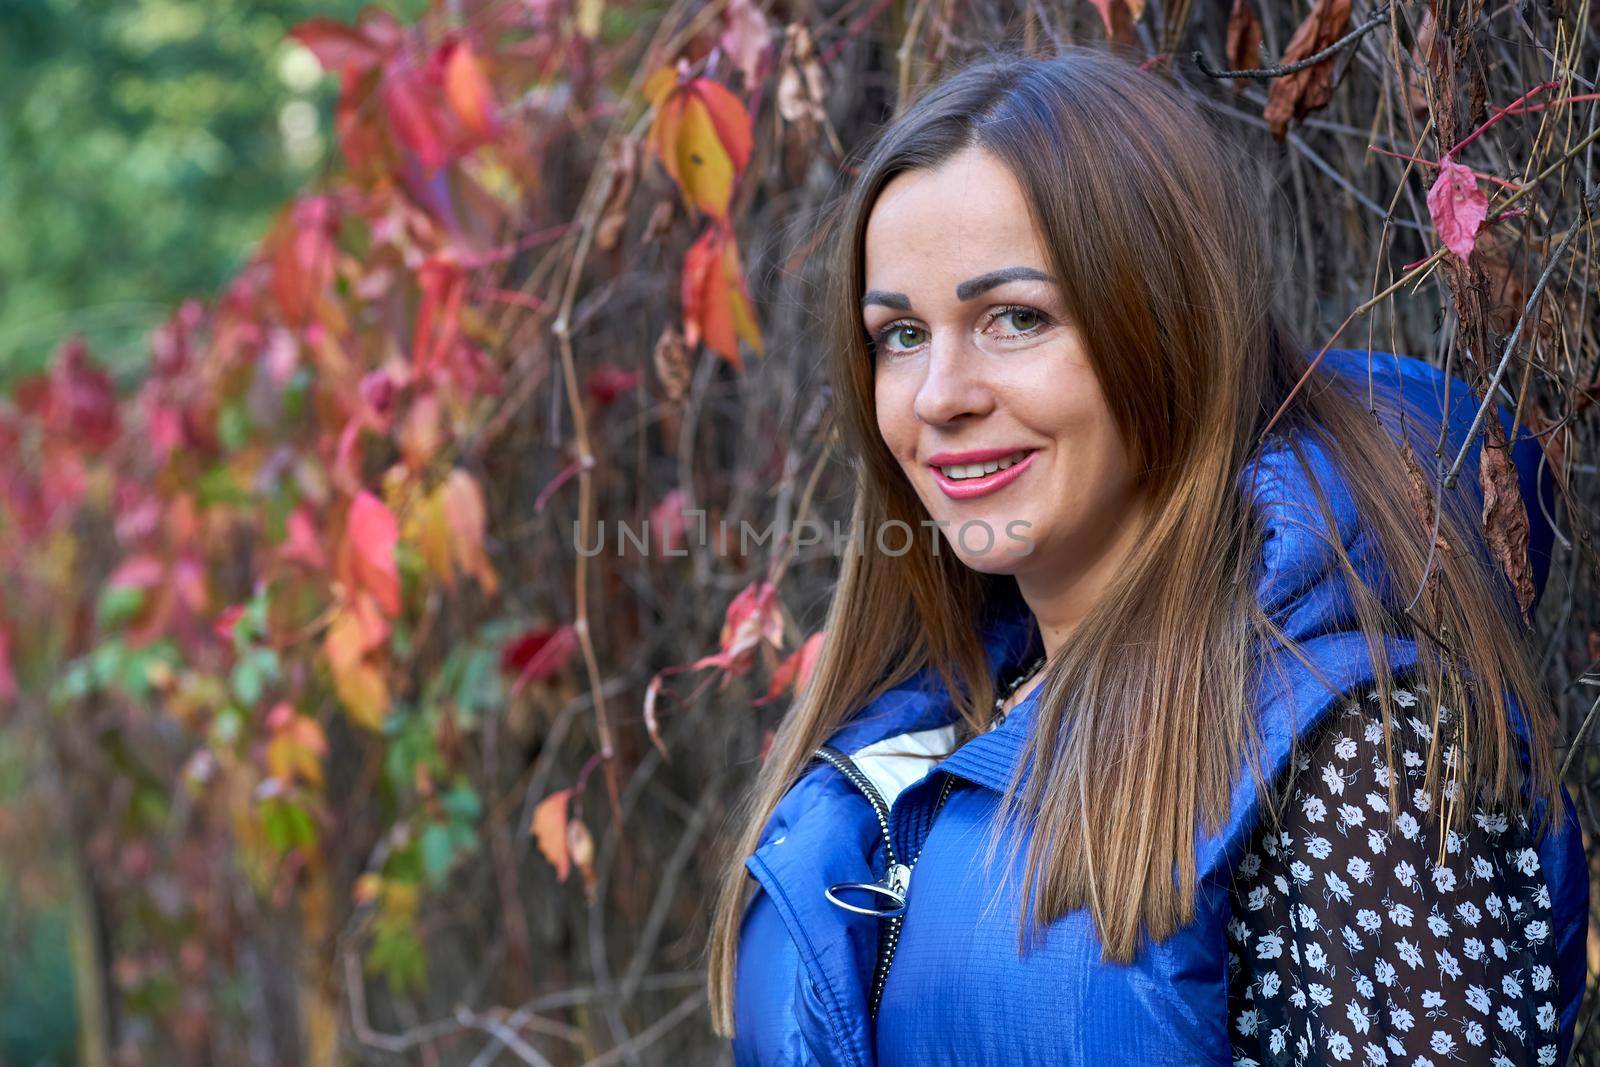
(897, 877)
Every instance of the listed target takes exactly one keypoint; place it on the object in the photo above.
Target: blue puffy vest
(956, 990)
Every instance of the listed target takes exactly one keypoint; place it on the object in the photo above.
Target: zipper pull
(890, 892)
(898, 878)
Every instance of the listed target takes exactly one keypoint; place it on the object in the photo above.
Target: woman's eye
(1025, 319)
(903, 332)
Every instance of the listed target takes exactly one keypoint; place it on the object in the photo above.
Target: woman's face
(984, 390)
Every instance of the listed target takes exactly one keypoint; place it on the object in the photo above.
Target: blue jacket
(957, 991)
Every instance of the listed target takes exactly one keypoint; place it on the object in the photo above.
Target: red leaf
(729, 117)
(223, 627)
(8, 678)
(137, 572)
(303, 254)
(538, 655)
(303, 544)
(1458, 207)
(370, 537)
(609, 381)
(752, 618)
(414, 119)
(667, 526)
(75, 401)
(443, 283)
(338, 47)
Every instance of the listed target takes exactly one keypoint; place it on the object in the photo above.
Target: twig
(1376, 19)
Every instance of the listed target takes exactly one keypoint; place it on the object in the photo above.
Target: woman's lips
(967, 488)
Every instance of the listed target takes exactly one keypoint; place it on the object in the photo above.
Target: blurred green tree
(144, 145)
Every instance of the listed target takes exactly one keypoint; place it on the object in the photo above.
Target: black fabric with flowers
(1350, 944)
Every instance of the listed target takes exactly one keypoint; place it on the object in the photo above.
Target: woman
(1266, 775)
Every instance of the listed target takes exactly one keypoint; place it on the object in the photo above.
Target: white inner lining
(897, 762)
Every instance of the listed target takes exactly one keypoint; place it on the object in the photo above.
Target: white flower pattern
(1402, 959)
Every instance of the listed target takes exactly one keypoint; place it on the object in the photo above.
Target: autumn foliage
(362, 758)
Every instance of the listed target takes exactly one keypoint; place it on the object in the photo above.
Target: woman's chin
(1002, 555)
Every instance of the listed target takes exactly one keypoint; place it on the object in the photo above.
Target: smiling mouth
(962, 471)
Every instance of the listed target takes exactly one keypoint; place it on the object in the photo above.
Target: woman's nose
(954, 382)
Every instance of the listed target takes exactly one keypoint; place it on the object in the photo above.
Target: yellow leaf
(588, 17)
(367, 888)
(430, 530)
(364, 694)
(702, 135)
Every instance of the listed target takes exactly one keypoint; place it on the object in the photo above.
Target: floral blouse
(1351, 944)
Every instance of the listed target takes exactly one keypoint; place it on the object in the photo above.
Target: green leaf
(233, 426)
(287, 824)
(438, 851)
(398, 955)
(462, 803)
(118, 604)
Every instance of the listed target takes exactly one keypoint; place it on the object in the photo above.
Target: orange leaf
(549, 830)
(1297, 95)
(701, 133)
(716, 305)
(796, 669)
(297, 746)
(369, 541)
(462, 503)
(356, 630)
(421, 431)
(467, 90)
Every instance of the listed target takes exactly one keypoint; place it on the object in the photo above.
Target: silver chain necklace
(1011, 687)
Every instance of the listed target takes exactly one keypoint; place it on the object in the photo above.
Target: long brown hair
(1160, 249)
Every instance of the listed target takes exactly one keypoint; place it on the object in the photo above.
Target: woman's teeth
(978, 470)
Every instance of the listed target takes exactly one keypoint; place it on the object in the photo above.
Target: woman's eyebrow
(973, 286)
(897, 301)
